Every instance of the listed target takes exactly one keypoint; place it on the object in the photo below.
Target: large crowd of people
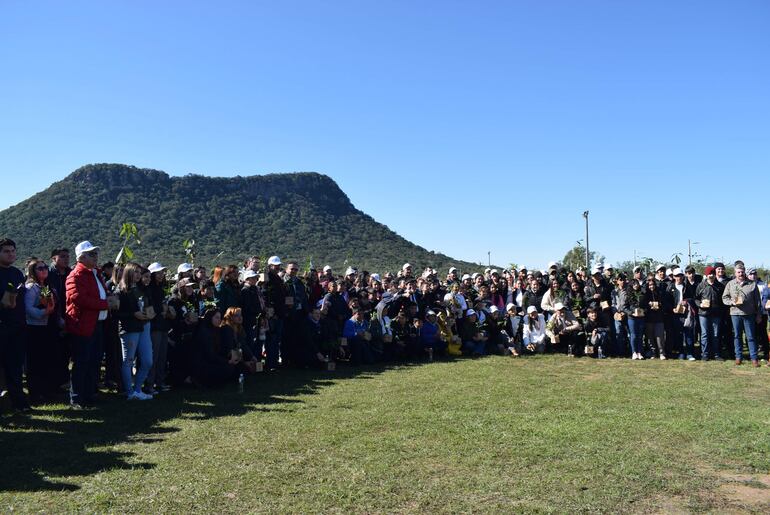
(142, 330)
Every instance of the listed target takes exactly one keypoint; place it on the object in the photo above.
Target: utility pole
(489, 258)
(588, 253)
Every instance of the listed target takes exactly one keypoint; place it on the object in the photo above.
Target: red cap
(709, 270)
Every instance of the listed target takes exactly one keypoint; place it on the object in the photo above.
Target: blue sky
(466, 127)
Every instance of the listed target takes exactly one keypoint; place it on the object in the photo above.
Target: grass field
(539, 434)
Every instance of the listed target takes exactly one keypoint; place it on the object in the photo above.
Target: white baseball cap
(274, 260)
(350, 270)
(470, 312)
(406, 265)
(596, 270)
(510, 306)
(184, 267)
(327, 268)
(156, 267)
(677, 271)
(493, 309)
(559, 306)
(466, 276)
(376, 277)
(531, 309)
(552, 264)
(83, 247)
(452, 269)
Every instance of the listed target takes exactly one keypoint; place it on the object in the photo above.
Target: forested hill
(294, 215)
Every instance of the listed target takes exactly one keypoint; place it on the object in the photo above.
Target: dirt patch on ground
(751, 491)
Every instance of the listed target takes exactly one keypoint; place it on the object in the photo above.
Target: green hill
(296, 216)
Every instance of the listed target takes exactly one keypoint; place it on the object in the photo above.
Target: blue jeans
(131, 343)
(621, 338)
(744, 323)
(636, 327)
(709, 335)
(85, 366)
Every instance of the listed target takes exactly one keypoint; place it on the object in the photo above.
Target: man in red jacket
(87, 307)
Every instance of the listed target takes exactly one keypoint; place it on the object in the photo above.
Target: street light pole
(588, 261)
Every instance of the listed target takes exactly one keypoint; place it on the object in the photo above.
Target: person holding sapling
(562, 329)
(708, 299)
(636, 308)
(654, 324)
(12, 324)
(620, 298)
(42, 349)
(575, 301)
(551, 297)
(742, 296)
(681, 294)
(135, 318)
(597, 333)
(233, 339)
(180, 337)
(158, 294)
(598, 294)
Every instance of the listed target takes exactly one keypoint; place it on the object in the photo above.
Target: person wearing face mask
(742, 296)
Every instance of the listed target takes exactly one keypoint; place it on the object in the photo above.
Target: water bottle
(241, 380)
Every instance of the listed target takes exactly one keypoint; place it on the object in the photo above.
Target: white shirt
(102, 295)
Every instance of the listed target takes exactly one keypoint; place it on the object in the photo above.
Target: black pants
(43, 361)
(86, 352)
(12, 358)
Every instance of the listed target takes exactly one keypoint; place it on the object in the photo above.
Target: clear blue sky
(466, 127)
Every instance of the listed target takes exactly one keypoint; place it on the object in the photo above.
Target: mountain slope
(296, 216)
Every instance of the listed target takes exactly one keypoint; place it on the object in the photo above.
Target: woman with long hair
(228, 289)
(159, 327)
(234, 341)
(134, 331)
(42, 350)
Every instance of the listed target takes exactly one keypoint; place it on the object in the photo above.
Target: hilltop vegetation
(297, 216)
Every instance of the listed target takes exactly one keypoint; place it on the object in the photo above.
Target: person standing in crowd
(157, 293)
(57, 277)
(725, 344)
(654, 297)
(277, 309)
(296, 312)
(87, 307)
(13, 323)
(708, 299)
(135, 331)
(42, 348)
(742, 296)
(228, 289)
(681, 293)
(761, 329)
(253, 307)
(636, 308)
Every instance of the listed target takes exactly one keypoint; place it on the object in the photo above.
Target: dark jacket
(227, 296)
(276, 295)
(129, 304)
(603, 289)
(712, 293)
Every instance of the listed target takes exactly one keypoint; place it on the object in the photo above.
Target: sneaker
(634, 355)
(640, 356)
(662, 357)
(681, 356)
(165, 388)
(690, 357)
(141, 396)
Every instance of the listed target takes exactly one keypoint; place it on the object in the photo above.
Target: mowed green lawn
(537, 434)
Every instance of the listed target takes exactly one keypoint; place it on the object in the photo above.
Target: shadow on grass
(55, 441)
